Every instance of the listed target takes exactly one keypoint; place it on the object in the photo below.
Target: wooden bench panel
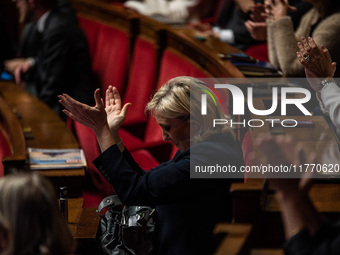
(11, 130)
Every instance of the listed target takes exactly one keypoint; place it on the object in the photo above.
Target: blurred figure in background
(306, 231)
(53, 53)
(173, 11)
(6, 50)
(320, 70)
(257, 25)
(321, 23)
(240, 23)
(30, 223)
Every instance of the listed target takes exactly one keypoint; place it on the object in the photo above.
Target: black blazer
(187, 209)
(325, 241)
(62, 58)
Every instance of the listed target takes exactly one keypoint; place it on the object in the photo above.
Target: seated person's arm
(19, 66)
(319, 70)
(296, 208)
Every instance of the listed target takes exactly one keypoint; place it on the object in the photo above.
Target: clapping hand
(281, 150)
(115, 113)
(93, 117)
(257, 25)
(96, 117)
(316, 60)
(276, 9)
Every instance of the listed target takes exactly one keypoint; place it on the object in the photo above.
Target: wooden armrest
(12, 129)
(266, 252)
(248, 199)
(235, 240)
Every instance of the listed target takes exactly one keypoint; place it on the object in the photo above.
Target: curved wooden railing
(11, 130)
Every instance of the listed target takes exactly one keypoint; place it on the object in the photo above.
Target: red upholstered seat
(88, 142)
(131, 141)
(258, 51)
(173, 64)
(111, 57)
(141, 81)
(144, 159)
(5, 149)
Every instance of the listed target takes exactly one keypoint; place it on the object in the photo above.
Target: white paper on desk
(56, 158)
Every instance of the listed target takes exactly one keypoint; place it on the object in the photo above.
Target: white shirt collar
(42, 21)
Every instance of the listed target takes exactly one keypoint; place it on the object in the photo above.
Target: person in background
(306, 231)
(6, 50)
(320, 69)
(229, 24)
(203, 10)
(240, 23)
(187, 209)
(173, 11)
(257, 25)
(53, 54)
(321, 23)
(30, 223)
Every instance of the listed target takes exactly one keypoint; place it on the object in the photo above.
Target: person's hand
(257, 30)
(200, 26)
(20, 70)
(316, 60)
(277, 9)
(92, 117)
(281, 150)
(258, 13)
(12, 64)
(17, 67)
(115, 113)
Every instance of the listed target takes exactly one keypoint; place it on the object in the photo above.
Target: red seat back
(258, 51)
(172, 65)
(141, 82)
(111, 57)
(5, 149)
(88, 142)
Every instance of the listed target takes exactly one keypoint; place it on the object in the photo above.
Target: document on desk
(40, 159)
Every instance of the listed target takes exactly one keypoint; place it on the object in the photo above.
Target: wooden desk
(265, 213)
(83, 223)
(235, 239)
(212, 42)
(43, 129)
(211, 46)
(319, 139)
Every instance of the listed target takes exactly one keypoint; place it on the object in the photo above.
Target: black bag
(127, 231)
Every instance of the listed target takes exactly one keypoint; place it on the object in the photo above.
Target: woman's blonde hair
(29, 208)
(180, 98)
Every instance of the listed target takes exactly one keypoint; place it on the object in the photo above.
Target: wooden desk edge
(88, 225)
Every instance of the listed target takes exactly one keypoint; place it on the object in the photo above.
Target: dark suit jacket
(187, 209)
(326, 241)
(62, 62)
